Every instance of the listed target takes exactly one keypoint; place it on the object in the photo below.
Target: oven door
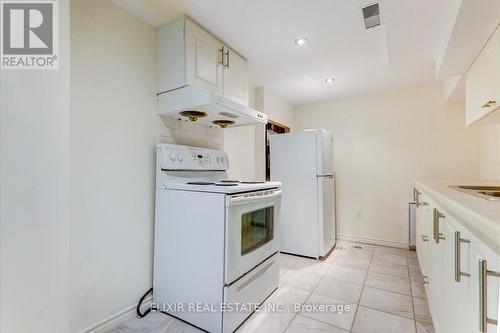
(252, 230)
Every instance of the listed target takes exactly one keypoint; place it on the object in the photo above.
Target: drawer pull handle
(436, 234)
(416, 197)
(221, 62)
(425, 238)
(483, 295)
(489, 104)
(227, 59)
(458, 242)
(256, 276)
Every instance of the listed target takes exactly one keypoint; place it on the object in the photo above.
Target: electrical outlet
(359, 216)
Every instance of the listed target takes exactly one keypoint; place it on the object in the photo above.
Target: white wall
(114, 129)
(245, 146)
(34, 194)
(490, 151)
(240, 146)
(382, 143)
(276, 108)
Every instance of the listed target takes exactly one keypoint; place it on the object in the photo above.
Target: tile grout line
(364, 285)
(322, 276)
(411, 299)
(362, 289)
(297, 313)
(412, 305)
(371, 257)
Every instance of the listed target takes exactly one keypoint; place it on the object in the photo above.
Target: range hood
(209, 108)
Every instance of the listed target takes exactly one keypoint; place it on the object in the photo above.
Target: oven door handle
(239, 200)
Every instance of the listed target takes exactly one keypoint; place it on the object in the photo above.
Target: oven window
(256, 229)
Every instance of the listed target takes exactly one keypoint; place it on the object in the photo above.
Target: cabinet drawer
(253, 288)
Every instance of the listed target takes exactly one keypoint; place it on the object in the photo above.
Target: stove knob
(179, 156)
(222, 159)
(172, 157)
(218, 160)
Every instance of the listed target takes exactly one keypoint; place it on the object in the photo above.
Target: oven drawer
(252, 288)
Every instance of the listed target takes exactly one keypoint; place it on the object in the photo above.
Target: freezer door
(326, 212)
(324, 140)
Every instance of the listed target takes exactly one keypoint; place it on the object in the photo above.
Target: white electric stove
(216, 239)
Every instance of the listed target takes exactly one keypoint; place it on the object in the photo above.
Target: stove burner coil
(223, 123)
(193, 115)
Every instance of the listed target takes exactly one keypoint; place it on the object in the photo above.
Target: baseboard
(372, 241)
(117, 319)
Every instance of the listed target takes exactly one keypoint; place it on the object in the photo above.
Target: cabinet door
(423, 237)
(235, 77)
(203, 58)
(437, 262)
(480, 251)
(482, 81)
(455, 315)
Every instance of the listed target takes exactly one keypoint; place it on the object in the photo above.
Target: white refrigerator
(303, 162)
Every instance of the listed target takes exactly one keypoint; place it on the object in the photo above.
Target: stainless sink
(485, 192)
(491, 193)
(480, 188)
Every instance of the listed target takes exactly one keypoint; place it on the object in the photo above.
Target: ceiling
(402, 52)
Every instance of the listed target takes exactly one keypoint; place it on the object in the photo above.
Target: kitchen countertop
(480, 216)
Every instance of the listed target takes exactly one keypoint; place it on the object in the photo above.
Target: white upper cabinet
(203, 58)
(235, 76)
(190, 55)
(482, 82)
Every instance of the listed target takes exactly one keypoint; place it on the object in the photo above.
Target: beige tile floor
(383, 287)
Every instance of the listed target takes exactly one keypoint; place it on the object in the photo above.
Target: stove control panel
(178, 157)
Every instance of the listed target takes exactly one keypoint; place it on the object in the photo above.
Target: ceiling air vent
(371, 14)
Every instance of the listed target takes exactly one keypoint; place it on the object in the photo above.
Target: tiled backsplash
(188, 133)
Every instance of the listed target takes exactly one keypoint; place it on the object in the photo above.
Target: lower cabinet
(423, 232)
(455, 279)
(437, 263)
(462, 286)
(483, 309)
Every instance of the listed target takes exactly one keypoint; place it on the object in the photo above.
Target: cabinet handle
(489, 104)
(425, 238)
(483, 295)
(227, 59)
(458, 242)
(221, 62)
(435, 226)
(416, 194)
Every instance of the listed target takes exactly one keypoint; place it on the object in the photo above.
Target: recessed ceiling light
(329, 80)
(301, 41)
